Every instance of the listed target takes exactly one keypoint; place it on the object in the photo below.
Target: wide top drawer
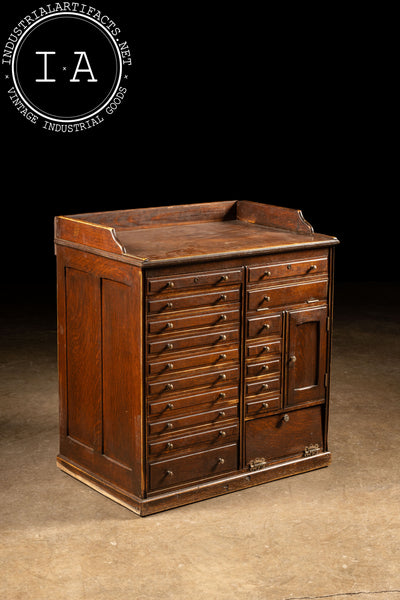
(156, 285)
(298, 268)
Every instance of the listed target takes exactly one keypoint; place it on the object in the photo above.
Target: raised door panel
(307, 351)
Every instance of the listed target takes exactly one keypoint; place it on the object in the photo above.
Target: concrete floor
(333, 533)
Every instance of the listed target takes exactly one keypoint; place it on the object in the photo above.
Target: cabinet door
(307, 352)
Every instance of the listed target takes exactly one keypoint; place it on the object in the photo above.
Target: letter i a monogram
(81, 54)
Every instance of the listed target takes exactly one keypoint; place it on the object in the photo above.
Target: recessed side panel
(83, 356)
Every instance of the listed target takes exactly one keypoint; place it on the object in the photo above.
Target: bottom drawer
(295, 433)
(192, 467)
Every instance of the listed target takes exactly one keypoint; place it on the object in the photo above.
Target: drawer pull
(170, 405)
(223, 297)
(292, 359)
(222, 356)
(169, 473)
(221, 461)
(286, 418)
(265, 368)
(223, 317)
(170, 284)
(266, 349)
(222, 337)
(267, 326)
(265, 386)
(223, 376)
(170, 445)
(312, 300)
(222, 413)
(196, 280)
(221, 395)
(169, 386)
(265, 404)
(225, 277)
(222, 433)
(170, 305)
(170, 346)
(170, 425)
(267, 298)
(170, 366)
(267, 273)
(313, 268)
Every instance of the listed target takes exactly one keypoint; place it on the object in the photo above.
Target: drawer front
(200, 360)
(275, 437)
(192, 467)
(190, 321)
(299, 268)
(206, 399)
(263, 386)
(208, 417)
(210, 338)
(270, 297)
(224, 434)
(220, 278)
(215, 378)
(264, 349)
(261, 407)
(267, 367)
(264, 326)
(167, 304)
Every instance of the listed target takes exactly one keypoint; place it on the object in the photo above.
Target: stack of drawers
(193, 341)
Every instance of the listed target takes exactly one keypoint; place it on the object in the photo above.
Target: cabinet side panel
(83, 356)
(117, 372)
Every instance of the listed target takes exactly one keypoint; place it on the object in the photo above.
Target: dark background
(279, 107)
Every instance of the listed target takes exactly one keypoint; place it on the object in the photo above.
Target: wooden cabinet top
(189, 233)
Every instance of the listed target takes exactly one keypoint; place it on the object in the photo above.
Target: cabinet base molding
(196, 493)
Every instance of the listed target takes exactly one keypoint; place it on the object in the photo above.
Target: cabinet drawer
(193, 467)
(179, 282)
(263, 386)
(209, 338)
(199, 360)
(205, 399)
(273, 437)
(298, 268)
(264, 349)
(267, 367)
(189, 321)
(264, 326)
(270, 297)
(167, 304)
(204, 418)
(215, 378)
(260, 407)
(222, 435)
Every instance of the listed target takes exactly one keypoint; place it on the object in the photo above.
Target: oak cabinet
(194, 349)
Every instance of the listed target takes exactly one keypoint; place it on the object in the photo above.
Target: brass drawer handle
(170, 284)
(170, 405)
(221, 461)
(222, 413)
(222, 356)
(223, 376)
(170, 366)
(313, 268)
(225, 277)
(170, 346)
(265, 404)
(292, 359)
(222, 337)
(265, 386)
(169, 386)
(223, 297)
(267, 273)
(267, 298)
(221, 395)
(170, 425)
(222, 433)
(286, 418)
(265, 368)
(266, 349)
(170, 325)
(170, 445)
(267, 326)
(170, 305)
(223, 317)
(169, 473)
